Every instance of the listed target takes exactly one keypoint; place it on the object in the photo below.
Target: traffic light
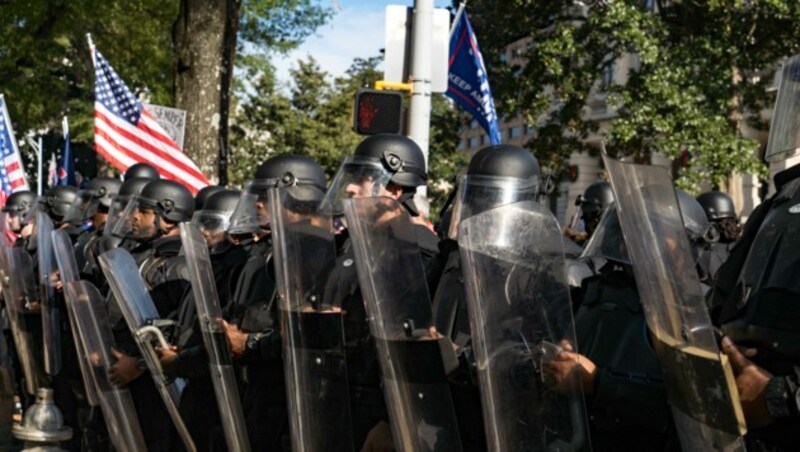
(378, 111)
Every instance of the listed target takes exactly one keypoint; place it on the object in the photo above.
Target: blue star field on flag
(112, 92)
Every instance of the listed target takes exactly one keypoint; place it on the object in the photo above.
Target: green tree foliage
(313, 117)
(703, 72)
(46, 70)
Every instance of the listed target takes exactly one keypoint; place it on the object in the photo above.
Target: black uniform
(451, 315)
(254, 309)
(164, 273)
(198, 406)
(611, 331)
(756, 296)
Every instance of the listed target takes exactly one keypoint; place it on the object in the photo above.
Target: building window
(473, 142)
(530, 130)
(473, 124)
(503, 57)
(515, 132)
(649, 5)
(484, 139)
(460, 145)
(608, 75)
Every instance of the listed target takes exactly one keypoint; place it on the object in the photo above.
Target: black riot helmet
(608, 242)
(302, 176)
(400, 155)
(142, 170)
(20, 203)
(291, 169)
(496, 176)
(204, 193)
(58, 201)
(159, 199)
(171, 200)
(595, 199)
(378, 161)
(132, 187)
(717, 205)
(214, 219)
(104, 189)
(96, 197)
(504, 160)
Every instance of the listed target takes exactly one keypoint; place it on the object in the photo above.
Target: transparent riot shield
(699, 380)
(209, 316)
(21, 285)
(393, 283)
(140, 312)
(51, 316)
(313, 329)
(94, 331)
(784, 130)
(521, 318)
(67, 273)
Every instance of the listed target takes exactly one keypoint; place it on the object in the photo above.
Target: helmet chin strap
(407, 200)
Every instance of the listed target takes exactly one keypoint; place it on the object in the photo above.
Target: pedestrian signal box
(378, 111)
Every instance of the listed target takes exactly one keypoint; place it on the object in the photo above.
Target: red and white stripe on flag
(126, 134)
(124, 145)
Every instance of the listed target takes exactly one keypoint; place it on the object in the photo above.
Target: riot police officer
(382, 165)
(621, 375)
(510, 174)
(17, 208)
(595, 199)
(152, 220)
(721, 213)
(252, 313)
(203, 194)
(756, 290)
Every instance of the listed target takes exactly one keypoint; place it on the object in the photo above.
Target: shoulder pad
(167, 246)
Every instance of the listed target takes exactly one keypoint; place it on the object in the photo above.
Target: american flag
(12, 177)
(126, 134)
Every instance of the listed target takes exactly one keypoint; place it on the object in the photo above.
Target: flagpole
(91, 48)
(459, 12)
(39, 153)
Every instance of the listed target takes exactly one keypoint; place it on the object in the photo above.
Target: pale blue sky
(355, 31)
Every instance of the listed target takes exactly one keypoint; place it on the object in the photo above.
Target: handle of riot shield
(149, 329)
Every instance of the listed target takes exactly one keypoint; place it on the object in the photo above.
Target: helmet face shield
(252, 210)
(478, 193)
(213, 224)
(82, 209)
(138, 221)
(39, 206)
(358, 177)
(118, 205)
(607, 241)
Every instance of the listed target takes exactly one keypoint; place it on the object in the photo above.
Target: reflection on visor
(82, 209)
(478, 194)
(607, 242)
(212, 221)
(252, 212)
(358, 177)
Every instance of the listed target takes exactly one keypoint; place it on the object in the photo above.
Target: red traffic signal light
(378, 111)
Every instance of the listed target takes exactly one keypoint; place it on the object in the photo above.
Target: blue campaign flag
(66, 169)
(468, 83)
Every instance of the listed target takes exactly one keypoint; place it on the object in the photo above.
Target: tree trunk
(205, 46)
